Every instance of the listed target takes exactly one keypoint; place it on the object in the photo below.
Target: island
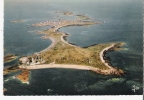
(9, 57)
(83, 17)
(69, 13)
(17, 21)
(10, 69)
(62, 54)
(23, 76)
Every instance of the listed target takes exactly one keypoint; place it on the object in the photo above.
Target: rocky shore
(24, 76)
(62, 54)
(9, 57)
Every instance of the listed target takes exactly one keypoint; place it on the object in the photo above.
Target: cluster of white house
(56, 23)
(34, 60)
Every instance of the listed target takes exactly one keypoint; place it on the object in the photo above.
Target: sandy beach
(109, 71)
(49, 47)
(102, 54)
(56, 26)
(79, 67)
(55, 36)
(82, 67)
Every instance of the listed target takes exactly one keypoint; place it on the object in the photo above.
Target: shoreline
(23, 81)
(23, 76)
(82, 67)
(79, 67)
(66, 42)
(10, 59)
(99, 66)
(110, 71)
(49, 47)
(102, 54)
(56, 28)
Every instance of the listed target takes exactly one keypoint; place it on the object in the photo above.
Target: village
(64, 22)
(35, 59)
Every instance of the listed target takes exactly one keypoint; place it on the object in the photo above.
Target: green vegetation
(65, 54)
(83, 17)
(62, 52)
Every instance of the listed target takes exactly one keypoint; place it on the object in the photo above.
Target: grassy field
(64, 54)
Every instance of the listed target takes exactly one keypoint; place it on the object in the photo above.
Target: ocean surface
(123, 23)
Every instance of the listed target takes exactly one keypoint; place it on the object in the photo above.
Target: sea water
(123, 23)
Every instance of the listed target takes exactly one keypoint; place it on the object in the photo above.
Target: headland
(17, 21)
(23, 76)
(9, 57)
(10, 69)
(62, 54)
